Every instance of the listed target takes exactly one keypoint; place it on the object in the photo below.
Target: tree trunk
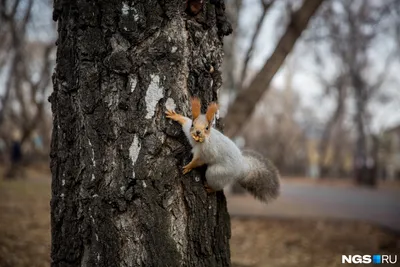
(364, 173)
(246, 100)
(118, 195)
(333, 123)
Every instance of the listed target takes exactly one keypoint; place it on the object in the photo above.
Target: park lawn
(255, 242)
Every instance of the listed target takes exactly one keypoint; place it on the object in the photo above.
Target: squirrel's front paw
(171, 114)
(186, 169)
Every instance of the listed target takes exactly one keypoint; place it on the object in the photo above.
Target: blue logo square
(376, 259)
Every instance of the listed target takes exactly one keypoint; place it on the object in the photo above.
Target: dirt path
(381, 206)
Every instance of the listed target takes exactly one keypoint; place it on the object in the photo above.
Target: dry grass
(24, 223)
(272, 242)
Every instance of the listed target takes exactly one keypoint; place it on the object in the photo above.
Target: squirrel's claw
(170, 114)
(209, 189)
(186, 169)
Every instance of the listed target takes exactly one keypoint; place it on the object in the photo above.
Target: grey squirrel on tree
(226, 163)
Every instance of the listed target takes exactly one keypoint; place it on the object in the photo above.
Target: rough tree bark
(246, 100)
(118, 195)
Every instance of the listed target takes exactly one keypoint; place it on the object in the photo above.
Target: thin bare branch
(3, 10)
(27, 16)
(249, 53)
(382, 77)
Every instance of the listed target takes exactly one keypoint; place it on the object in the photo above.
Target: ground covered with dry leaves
(277, 242)
(256, 242)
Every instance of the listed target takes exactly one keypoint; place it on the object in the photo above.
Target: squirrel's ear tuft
(211, 110)
(196, 107)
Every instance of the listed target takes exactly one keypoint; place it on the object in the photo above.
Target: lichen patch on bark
(154, 93)
(134, 151)
(125, 8)
(132, 82)
(170, 104)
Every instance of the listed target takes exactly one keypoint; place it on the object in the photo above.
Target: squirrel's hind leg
(209, 188)
(218, 176)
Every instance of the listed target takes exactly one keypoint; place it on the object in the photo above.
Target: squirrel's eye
(192, 125)
(207, 128)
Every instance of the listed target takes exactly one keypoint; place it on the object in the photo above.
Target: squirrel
(226, 163)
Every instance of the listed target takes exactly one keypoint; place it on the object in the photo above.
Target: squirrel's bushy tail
(263, 179)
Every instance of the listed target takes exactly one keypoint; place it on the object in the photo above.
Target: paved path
(307, 200)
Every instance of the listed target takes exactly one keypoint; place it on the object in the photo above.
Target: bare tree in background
(265, 6)
(329, 145)
(278, 136)
(274, 129)
(25, 64)
(352, 30)
(229, 69)
(244, 104)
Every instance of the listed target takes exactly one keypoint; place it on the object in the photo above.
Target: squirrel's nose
(198, 132)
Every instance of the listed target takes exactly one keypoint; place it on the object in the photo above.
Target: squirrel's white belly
(223, 167)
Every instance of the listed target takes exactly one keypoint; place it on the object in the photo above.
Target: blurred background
(329, 119)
